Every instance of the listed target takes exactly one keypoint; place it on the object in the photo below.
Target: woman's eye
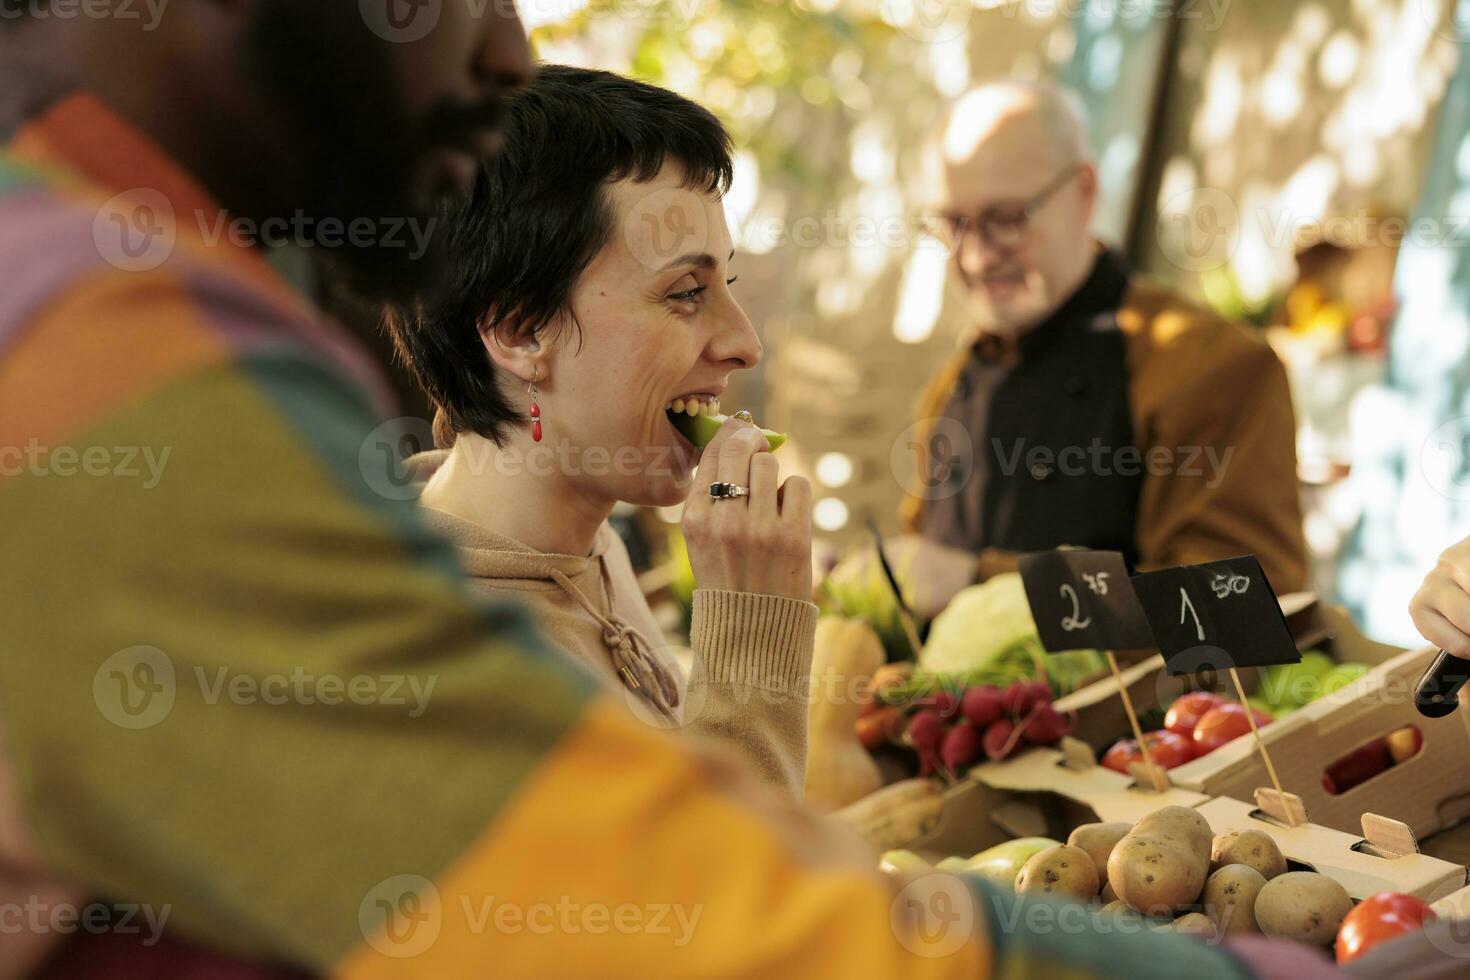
(688, 295)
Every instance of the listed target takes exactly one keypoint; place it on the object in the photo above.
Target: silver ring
(744, 416)
(725, 491)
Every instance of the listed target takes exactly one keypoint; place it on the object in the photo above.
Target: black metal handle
(1438, 692)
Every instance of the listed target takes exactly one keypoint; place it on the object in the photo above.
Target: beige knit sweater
(745, 683)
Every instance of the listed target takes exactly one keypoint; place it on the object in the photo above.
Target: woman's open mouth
(686, 407)
(695, 404)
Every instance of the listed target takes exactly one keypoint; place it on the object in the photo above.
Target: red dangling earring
(535, 414)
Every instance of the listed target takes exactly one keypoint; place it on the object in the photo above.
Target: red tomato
(1166, 749)
(1384, 916)
(1187, 710)
(1223, 723)
(1399, 904)
(1121, 754)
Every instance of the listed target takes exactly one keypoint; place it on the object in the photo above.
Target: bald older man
(1103, 410)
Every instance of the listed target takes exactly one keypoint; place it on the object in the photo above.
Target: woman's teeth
(694, 406)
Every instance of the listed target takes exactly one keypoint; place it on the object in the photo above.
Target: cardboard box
(1036, 794)
(1427, 792)
(1381, 859)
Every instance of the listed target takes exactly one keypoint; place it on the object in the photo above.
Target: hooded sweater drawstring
(632, 657)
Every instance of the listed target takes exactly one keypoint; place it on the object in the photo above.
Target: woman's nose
(736, 342)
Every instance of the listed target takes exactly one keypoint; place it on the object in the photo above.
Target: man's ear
(513, 348)
(1087, 185)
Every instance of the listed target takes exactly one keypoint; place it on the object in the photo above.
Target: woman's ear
(512, 348)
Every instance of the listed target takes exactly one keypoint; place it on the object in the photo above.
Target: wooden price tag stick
(1155, 776)
(1250, 716)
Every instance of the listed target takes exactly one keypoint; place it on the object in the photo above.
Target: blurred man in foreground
(1103, 411)
(250, 692)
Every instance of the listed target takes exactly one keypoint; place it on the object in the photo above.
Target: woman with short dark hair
(589, 310)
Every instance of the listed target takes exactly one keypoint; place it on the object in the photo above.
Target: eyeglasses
(1000, 225)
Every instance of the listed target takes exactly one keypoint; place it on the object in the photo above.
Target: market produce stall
(1000, 759)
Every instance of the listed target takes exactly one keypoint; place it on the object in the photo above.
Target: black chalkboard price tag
(1216, 616)
(1083, 600)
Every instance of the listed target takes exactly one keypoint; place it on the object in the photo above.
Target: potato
(1061, 871)
(1108, 894)
(1179, 823)
(1252, 848)
(1302, 905)
(1195, 924)
(1230, 898)
(1117, 907)
(1098, 840)
(1156, 874)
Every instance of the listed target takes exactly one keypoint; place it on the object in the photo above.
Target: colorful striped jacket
(244, 687)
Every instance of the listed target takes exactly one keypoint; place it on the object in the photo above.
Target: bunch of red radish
(952, 729)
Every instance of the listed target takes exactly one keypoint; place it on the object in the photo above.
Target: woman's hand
(761, 543)
(1441, 607)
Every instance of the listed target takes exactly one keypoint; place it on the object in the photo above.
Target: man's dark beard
(361, 152)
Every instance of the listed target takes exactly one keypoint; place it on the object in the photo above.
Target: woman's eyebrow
(700, 260)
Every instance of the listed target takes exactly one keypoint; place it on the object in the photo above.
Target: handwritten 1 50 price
(1223, 586)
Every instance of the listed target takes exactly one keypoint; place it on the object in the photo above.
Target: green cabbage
(987, 630)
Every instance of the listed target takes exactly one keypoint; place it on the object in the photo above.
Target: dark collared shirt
(1048, 418)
